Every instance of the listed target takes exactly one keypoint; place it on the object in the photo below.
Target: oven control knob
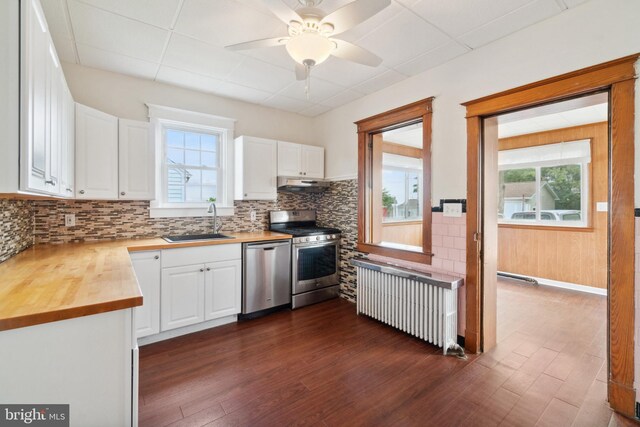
(333, 236)
(306, 239)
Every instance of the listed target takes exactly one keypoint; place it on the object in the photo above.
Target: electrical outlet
(253, 215)
(70, 220)
(452, 209)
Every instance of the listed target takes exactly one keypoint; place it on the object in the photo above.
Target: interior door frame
(617, 77)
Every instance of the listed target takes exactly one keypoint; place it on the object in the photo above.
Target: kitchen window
(194, 162)
(546, 185)
(394, 217)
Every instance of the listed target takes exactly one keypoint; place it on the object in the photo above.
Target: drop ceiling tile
(345, 73)
(342, 98)
(225, 22)
(96, 58)
(198, 57)
(372, 23)
(431, 59)
(55, 12)
(319, 90)
(66, 50)
(403, 38)
(210, 85)
(379, 82)
(316, 110)
(273, 55)
(155, 12)
(288, 104)
(574, 3)
(456, 17)
(512, 22)
(114, 33)
(261, 75)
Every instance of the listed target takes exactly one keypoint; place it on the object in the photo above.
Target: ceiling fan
(310, 40)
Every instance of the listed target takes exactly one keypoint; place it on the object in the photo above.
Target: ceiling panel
(520, 18)
(96, 58)
(114, 33)
(419, 37)
(345, 73)
(193, 55)
(226, 22)
(288, 104)
(433, 58)
(381, 81)
(208, 84)
(457, 17)
(261, 75)
(319, 90)
(155, 12)
(372, 23)
(342, 98)
(573, 3)
(315, 110)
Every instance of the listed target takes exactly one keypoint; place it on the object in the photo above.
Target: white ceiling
(181, 42)
(559, 115)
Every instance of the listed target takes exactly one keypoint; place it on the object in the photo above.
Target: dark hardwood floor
(324, 365)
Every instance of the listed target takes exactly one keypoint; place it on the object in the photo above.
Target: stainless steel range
(315, 267)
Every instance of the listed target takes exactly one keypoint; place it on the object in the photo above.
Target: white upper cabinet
(96, 154)
(43, 95)
(255, 169)
(298, 160)
(67, 152)
(136, 161)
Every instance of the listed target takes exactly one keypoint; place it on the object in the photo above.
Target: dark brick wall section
(16, 227)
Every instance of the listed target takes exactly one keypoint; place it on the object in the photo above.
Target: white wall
(125, 97)
(595, 32)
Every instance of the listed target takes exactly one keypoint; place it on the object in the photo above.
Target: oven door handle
(316, 244)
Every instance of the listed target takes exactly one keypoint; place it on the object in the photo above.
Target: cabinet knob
(69, 190)
(122, 193)
(50, 182)
(245, 194)
(202, 269)
(304, 173)
(208, 268)
(81, 191)
(156, 257)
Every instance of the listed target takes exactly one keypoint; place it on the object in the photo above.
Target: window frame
(163, 117)
(366, 128)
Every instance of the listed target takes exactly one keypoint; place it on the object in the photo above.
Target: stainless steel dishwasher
(266, 279)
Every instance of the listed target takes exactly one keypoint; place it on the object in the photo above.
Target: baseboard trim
(565, 285)
(186, 330)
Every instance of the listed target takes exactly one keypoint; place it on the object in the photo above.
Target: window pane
(209, 142)
(175, 138)
(192, 140)
(209, 159)
(194, 177)
(517, 194)
(175, 156)
(209, 177)
(209, 191)
(562, 192)
(192, 158)
(193, 193)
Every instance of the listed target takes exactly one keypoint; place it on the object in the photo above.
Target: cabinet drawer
(201, 254)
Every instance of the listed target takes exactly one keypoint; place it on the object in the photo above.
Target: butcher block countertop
(47, 283)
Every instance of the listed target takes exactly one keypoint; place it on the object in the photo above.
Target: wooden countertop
(47, 283)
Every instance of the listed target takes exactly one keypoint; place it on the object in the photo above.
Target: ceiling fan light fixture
(310, 47)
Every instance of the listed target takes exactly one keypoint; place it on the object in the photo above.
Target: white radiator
(415, 303)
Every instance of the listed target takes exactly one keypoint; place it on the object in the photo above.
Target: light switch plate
(253, 215)
(70, 220)
(602, 206)
(452, 209)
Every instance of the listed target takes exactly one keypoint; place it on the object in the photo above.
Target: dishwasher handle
(267, 246)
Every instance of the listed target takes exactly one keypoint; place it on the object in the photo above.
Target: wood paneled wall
(405, 233)
(575, 256)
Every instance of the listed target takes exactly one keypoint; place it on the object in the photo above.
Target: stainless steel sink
(196, 237)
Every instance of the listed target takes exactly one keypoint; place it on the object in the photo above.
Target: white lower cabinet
(148, 271)
(182, 297)
(222, 289)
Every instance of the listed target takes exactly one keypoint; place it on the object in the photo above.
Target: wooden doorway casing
(617, 77)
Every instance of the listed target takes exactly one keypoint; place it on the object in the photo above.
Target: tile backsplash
(16, 227)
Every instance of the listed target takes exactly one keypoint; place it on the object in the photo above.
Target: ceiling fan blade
(272, 42)
(282, 11)
(353, 14)
(351, 52)
(301, 72)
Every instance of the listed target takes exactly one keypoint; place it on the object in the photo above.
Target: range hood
(301, 185)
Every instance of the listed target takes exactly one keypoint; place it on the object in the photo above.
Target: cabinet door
(55, 81)
(67, 151)
(148, 271)
(35, 64)
(312, 161)
(222, 289)
(136, 161)
(96, 154)
(182, 296)
(289, 159)
(259, 169)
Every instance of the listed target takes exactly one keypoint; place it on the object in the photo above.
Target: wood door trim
(397, 115)
(617, 77)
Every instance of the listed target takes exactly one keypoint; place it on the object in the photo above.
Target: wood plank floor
(324, 365)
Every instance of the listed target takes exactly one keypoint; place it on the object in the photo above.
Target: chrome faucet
(212, 209)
